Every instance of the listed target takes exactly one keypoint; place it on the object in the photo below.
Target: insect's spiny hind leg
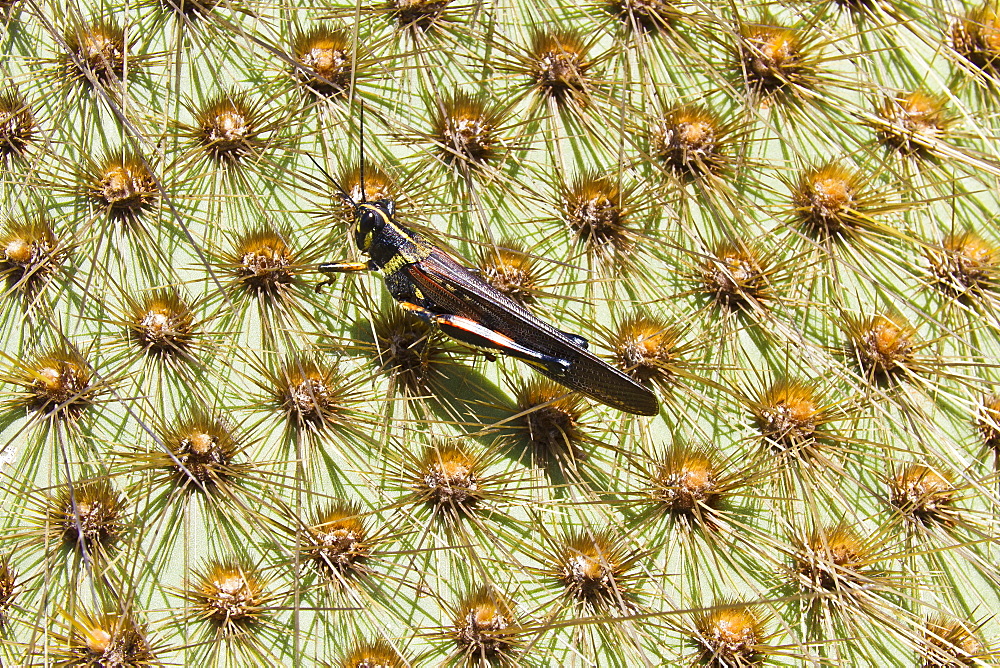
(343, 267)
(339, 268)
(472, 333)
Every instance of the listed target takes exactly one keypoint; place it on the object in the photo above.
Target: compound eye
(368, 220)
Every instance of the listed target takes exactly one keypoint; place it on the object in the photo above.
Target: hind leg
(472, 333)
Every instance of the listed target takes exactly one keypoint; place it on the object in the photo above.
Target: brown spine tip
(976, 38)
(338, 541)
(162, 324)
(730, 635)
(229, 596)
(467, 131)
(883, 346)
(690, 143)
(378, 654)
(486, 627)
(97, 50)
(951, 643)
(509, 269)
(29, 253)
(736, 275)
(18, 127)
(924, 494)
(324, 61)
(123, 186)
(965, 265)
(912, 122)
(593, 569)
(597, 209)
(648, 350)
(87, 516)
(228, 129)
(558, 66)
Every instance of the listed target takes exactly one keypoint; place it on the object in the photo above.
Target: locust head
(370, 218)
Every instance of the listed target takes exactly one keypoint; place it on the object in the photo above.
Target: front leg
(472, 333)
(339, 268)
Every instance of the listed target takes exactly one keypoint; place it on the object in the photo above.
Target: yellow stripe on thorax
(395, 264)
(417, 251)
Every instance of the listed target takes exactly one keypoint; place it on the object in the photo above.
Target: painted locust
(431, 284)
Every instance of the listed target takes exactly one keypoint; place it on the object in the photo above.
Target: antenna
(344, 195)
(361, 150)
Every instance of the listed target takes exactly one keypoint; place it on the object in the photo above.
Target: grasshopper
(436, 287)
